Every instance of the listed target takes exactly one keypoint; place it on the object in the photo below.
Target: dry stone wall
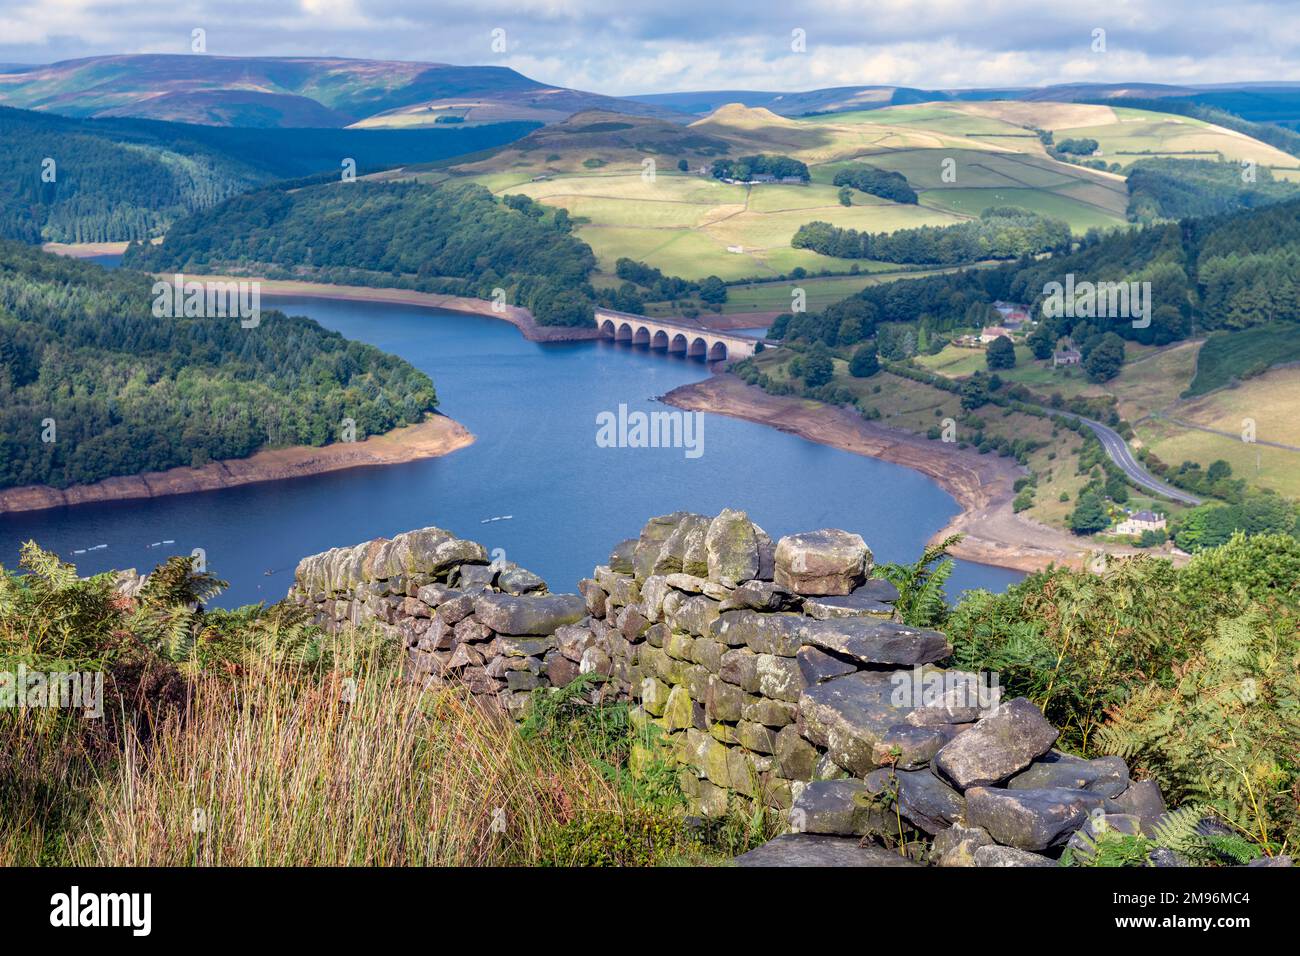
(769, 673)
(490, 626)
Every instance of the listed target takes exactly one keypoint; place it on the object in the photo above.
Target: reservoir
(536, 483)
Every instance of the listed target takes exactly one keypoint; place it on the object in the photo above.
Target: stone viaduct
(674, 337)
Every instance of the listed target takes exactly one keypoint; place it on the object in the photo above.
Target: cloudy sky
(640, 46)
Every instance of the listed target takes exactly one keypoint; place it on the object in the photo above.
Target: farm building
(1014, 317)
(991, 332)
(1066, 354)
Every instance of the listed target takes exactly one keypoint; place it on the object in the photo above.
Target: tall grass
(44, 773)
(276, 767)
(250, 738)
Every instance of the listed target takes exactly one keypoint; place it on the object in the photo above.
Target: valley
(554, 436)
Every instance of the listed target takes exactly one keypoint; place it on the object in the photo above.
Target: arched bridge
(692, 341)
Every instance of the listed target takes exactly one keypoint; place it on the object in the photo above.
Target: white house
(1135, 524)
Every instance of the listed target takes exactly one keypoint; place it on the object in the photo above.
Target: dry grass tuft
(278, 768)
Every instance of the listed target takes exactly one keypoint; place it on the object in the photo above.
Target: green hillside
(455, 239)
(128, 392)
(116, 180)
(947, 166)
(1232, 356)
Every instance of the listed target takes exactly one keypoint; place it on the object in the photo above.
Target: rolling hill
(831, 99)
(114, 180)
(961, 157)
(687, 223)
(293, 91)
(1264, 102)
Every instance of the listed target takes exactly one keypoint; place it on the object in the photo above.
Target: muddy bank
(429, 439)
(982, 484)
(85, 250)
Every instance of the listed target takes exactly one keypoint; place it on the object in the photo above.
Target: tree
(713, 291)
(1116, 488)
(683, 165)
(1105, 359)
(1089, 515)
(818, 368)
(1077, 147)
(846, 196)
(1042, 341)
(974, 392)
(1001, 353)
(865, 363)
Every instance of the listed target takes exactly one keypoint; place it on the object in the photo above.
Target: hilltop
(292, 91)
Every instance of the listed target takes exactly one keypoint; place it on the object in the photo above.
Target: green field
(692, 226)
(1081, 215)
(1141, 134)
(1209, 427)
(961, 158)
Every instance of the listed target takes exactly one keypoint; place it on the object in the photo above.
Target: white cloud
(727, 44)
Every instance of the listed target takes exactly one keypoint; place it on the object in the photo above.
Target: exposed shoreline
(437, 436)
(516, 315)
(983, 485)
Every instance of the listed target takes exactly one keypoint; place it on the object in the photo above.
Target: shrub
(1189, 673)
(1226, 730)
(865, 362)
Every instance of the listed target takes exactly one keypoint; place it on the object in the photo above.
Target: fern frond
(1179, 830)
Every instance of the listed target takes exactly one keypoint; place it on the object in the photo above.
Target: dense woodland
(877, 182)
(1228, 272)
(84, 362)
(1195, 188)
(999, 233)
(455, 239)
(642, 283)
(70, 183)
(125, 179)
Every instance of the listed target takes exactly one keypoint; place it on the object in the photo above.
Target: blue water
(561, 501)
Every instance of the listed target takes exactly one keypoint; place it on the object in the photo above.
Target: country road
(1118, 451)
